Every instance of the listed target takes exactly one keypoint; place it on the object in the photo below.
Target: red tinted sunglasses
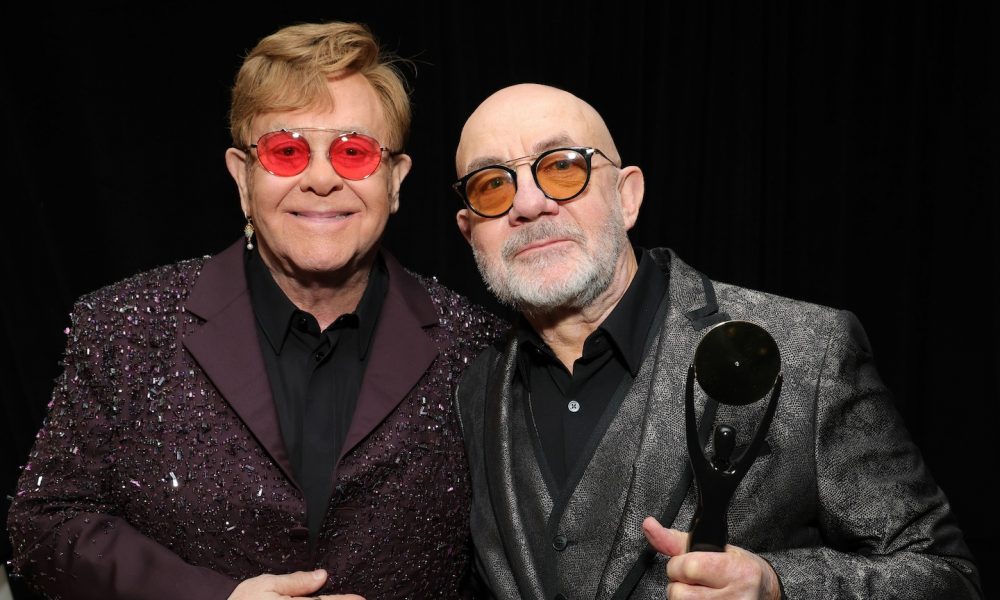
(287, 152)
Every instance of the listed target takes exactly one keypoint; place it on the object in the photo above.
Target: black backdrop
(844, 154)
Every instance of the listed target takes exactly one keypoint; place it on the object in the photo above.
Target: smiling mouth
(326, 216)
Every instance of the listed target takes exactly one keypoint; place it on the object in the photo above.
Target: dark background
(844, 154)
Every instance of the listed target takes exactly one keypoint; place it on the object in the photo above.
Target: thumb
(665, 541)
(298, 583)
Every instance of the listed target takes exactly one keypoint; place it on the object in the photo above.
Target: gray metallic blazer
(839, 500)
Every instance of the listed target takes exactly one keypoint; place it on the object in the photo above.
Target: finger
(340, 597)
(665, 541)
(299, 583)
(695, 569)
(717, 570)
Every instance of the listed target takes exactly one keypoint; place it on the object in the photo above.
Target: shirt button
(319, 356)
(573, 406)
(303, 324)
(560, 542)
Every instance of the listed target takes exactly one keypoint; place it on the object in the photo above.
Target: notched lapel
(662, 470)
(227, 349)
(401, 352)
(499, 460)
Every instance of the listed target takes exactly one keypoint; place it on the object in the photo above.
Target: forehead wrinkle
(555, 141)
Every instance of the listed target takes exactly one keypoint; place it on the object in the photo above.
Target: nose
(320, 177)
(529, 201)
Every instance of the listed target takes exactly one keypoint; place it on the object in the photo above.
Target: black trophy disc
(737, 362)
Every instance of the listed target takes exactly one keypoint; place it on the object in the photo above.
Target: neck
(565, 330)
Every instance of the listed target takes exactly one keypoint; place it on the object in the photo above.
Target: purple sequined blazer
(160, 471)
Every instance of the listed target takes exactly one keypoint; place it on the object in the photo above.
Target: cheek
(375, 196)
(487, 239)
(266, 191)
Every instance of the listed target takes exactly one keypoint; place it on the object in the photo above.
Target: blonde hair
(288, 70)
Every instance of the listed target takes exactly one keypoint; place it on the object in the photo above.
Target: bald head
(552, 258)
(525, 119)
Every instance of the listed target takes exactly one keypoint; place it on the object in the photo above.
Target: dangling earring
(248, 233)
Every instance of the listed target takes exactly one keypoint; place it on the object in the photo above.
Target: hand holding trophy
(736, 363)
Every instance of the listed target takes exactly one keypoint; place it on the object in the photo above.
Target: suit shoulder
(795, 324)
(157, 290)
(767, 305)
(461, 316)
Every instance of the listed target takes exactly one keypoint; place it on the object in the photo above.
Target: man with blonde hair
(273, 421)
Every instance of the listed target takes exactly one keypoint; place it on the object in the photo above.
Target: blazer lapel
(499, 449)
(664, 473)
(401, 352)
(228, 350)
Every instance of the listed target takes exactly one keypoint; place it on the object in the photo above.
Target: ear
(631, 187)
(464, 220)
(236, 162)
(400, 168)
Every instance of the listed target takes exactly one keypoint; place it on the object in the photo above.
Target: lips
(320, 215)
(540, 236)
(538, 245)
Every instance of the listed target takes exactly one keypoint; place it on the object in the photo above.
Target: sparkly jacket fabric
(160, 471)
(839, 500)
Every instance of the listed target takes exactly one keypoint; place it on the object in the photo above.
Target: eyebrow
(556, 141)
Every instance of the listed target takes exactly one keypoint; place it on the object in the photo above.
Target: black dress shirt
(315, 376)
(571, 411)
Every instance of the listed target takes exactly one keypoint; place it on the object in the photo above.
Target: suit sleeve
(887, 528)
(70, 535)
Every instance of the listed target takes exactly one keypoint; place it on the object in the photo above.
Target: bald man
(574, 424)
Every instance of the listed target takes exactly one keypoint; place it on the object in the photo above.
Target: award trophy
(736, 363)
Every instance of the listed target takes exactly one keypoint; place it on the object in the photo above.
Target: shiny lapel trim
(401, 352)
(228, 350)
(498, 452)
(663, 472)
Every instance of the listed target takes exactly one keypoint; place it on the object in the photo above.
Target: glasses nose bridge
(324, 150)
(515, 163)
(531, 161)
(321, 147)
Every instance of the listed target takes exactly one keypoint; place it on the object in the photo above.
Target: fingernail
(319, 574)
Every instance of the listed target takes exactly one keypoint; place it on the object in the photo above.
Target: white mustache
(540, 230)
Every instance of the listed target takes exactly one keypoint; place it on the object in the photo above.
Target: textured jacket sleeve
(887, 528)
(70, 536)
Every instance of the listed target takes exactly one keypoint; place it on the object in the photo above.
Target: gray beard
(518, 284)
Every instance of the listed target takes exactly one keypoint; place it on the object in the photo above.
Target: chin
(547, 275)
(322, 264)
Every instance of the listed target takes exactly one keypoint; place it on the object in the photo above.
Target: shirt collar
(370, 306)
(629, 322)
(275, 312)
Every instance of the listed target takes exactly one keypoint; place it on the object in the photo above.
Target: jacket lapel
(401, 352)
(499, 448)
(227, 349)
(663, 473)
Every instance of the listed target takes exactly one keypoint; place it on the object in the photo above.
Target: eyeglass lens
(286, 153)
(561, 175)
